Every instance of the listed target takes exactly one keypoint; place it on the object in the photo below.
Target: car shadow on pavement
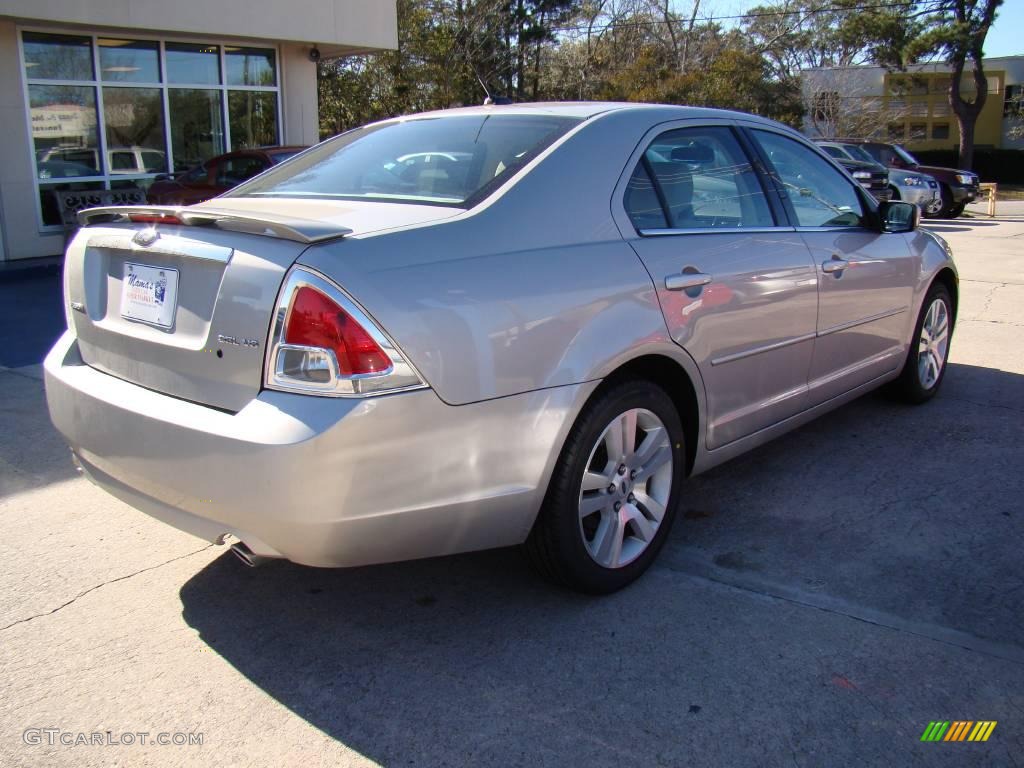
(444, 651)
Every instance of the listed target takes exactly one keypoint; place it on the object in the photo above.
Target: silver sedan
(487, 327)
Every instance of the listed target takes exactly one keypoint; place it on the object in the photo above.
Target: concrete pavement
(821, 600)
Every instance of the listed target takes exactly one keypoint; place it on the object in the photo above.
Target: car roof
(586, 109)
(284, 148)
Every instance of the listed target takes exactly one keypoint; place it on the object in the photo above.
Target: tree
(956, 30)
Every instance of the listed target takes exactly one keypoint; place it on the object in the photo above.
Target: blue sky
(1006, 38)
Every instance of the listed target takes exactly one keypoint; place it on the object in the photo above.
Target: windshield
(858, 153)
(904, 155)
(280, 157)
(453, 160)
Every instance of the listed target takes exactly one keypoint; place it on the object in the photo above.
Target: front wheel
(925, 366)
(938, 207)
(614, 490)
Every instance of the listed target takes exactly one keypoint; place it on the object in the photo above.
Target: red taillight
(314, 320)
(154, 218)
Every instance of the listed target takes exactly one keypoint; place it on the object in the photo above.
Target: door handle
(685, 280)
(835, 264)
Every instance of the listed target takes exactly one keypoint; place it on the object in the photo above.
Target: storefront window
(197, 129)
(57, 57)
(64, 130)
(253, 119)
(250, 66)
(107, 127)
(134, 119)
(129, 61)
(194, 64)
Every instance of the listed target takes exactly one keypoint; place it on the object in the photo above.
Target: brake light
(324, 343)
(154, 218)
(316, 321)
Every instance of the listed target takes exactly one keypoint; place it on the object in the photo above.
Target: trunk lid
(181, 301)
(204, 340)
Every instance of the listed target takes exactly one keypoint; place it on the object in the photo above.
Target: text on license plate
(149, 294)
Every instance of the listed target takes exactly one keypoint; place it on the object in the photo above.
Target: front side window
(703, 180)
(440, 160)
(821, 196)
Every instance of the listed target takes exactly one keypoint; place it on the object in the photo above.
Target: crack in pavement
(696, 568)
(984, 405)
(103, 584)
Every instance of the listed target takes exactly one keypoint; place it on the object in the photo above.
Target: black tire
(908, 387)
(956, 210)
(555, 546)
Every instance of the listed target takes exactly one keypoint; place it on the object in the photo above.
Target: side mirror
(898, 216)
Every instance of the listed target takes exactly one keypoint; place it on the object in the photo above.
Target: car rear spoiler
(306, 231)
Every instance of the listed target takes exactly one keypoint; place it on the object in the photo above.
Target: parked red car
(216, 175)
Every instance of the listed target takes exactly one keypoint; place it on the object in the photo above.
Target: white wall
(300, 115)
(334, 25)
(18, 192)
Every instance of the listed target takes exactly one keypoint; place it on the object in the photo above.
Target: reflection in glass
(249, 66)
(193, 63)
(64, 130)
(57, 57)
(197, 129)
(129, 61)
(253, 119)
(134, 119)
(51, 206)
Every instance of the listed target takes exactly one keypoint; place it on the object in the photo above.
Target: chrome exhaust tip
(247, 556)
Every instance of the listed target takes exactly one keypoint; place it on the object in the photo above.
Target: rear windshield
(453, 160)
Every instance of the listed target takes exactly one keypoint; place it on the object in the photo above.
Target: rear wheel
(613, 493)
(925, 366)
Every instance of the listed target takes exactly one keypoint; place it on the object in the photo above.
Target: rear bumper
(320, 481)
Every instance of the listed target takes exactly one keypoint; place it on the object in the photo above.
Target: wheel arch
(947, 277)
(673, 377)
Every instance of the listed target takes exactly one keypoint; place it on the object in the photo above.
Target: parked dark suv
(957, 188)
(872, 176)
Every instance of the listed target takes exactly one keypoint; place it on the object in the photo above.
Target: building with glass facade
(111, 93)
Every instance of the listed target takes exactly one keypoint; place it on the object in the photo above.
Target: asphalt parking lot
(820, 602)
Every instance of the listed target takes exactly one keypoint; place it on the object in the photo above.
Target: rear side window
(701, 178)
(821, 196)
(452, 160)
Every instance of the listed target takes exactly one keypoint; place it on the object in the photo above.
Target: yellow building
(912, 107)
(917, 105)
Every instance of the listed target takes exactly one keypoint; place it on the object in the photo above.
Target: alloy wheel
(934, 343)
(625, 488)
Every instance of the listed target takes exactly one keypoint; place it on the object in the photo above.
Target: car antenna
(487, 94)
